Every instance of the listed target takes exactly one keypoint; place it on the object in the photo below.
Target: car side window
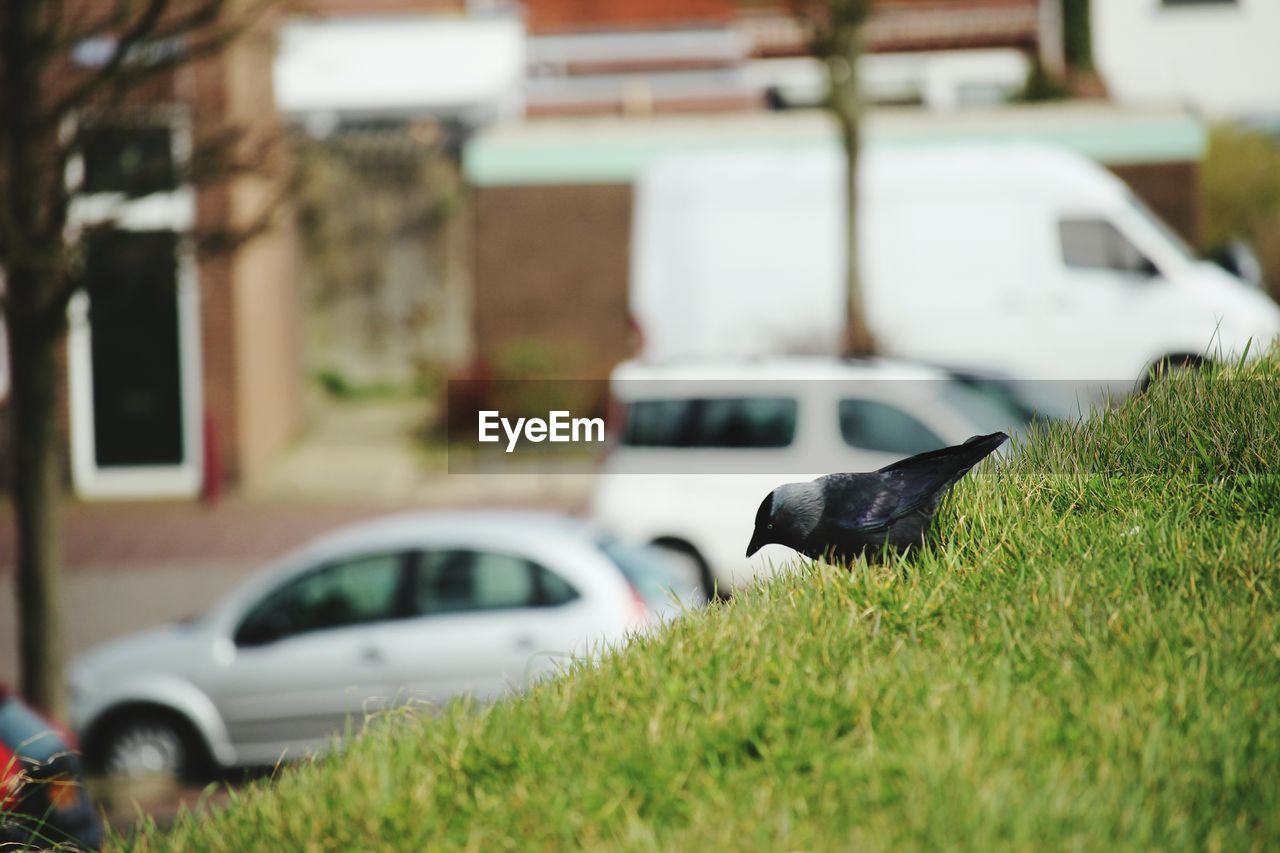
(555, 589)
(871, 425)
(1096, 244)
(340, 594)
(462, 581)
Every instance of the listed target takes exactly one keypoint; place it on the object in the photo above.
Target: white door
(1102, 311)
(134, 331)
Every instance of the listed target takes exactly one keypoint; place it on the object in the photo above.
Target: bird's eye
(770, 526)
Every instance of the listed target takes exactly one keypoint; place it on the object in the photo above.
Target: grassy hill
(1090, 658)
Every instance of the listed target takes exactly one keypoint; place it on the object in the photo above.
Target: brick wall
(264, 338)
(1170, 189)
(568, 15)
(550, 271)
(380, 7)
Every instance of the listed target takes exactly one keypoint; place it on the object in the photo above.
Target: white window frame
(172, 211)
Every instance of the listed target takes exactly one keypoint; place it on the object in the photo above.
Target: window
(869, 425)
(721, 422)
(135, 160)
(341, 594)
(1097, 244)
(131, 278)
(555, 589)
(461, 581)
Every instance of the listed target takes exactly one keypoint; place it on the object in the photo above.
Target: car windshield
(652, 574)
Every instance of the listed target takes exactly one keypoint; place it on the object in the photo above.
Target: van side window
(870, 425)
(722, 422)
(1098, 245)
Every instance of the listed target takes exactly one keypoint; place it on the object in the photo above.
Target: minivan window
(711, 422)
(350, 592)
(1089, 243)
(872, 425)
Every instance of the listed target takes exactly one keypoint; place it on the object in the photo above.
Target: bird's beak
(756, 544)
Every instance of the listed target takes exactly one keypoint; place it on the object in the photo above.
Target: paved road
(134, 566)
(107, 603)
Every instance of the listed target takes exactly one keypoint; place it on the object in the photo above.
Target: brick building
(552, 198)
(182, 364)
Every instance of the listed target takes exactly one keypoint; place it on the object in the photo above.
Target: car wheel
(1169, 366)
(150, 746)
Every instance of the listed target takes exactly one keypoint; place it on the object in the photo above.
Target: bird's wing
(867, 502)
(861, 503)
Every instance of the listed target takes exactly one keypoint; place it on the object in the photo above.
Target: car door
(484, 622)
(309, 656)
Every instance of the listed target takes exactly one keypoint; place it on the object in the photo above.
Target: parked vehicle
(701, 444)
(43, 801)
(1014, 257)
(409, 608)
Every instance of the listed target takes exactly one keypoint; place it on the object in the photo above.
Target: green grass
(1089, 659)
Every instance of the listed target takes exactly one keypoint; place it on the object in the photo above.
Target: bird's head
(787, 516)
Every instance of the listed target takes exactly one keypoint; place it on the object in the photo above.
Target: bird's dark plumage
(842, 515)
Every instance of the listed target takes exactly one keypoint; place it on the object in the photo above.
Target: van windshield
(1173, 237)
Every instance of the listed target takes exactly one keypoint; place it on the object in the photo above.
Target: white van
(701, 444)
(1020, 258)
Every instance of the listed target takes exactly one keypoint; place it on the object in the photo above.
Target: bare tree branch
(140, 29)
(199, 32)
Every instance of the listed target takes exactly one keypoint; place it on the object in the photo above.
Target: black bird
(842, 515)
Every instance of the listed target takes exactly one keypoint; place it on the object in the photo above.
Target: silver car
(415, 607)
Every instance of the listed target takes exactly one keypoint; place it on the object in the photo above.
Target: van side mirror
(1146, 269)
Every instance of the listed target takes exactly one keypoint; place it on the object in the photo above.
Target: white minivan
(699, 444)
(1016, 257)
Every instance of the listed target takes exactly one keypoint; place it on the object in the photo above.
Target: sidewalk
(356, 461)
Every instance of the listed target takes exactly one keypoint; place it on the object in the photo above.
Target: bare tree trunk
(31, 240)
(36, 496)
(847, 108)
